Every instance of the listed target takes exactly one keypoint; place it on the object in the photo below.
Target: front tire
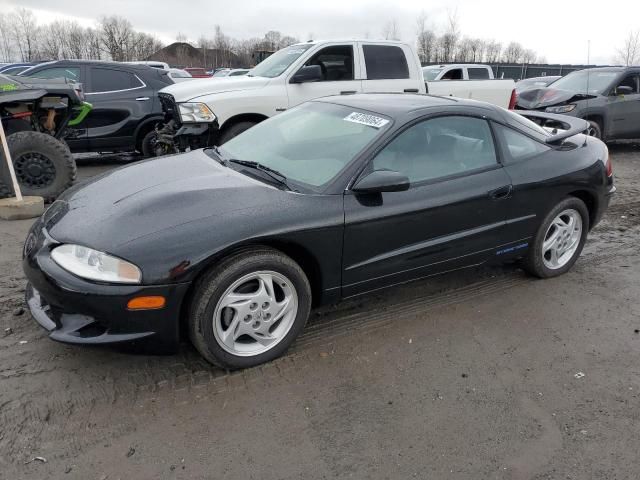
(595, 130)
(249, 309)
(559, 239)
(43, 164)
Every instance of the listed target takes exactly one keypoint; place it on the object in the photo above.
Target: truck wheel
(234, 131)
(594, 130)
(44, 165)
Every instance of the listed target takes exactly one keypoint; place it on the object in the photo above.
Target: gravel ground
(469, 376)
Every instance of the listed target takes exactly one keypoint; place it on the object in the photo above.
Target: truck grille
(169, 107)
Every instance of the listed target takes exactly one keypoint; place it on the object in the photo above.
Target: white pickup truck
(212, 111)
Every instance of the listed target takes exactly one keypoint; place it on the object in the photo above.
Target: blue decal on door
(512, 249)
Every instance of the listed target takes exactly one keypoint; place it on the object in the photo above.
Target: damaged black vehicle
(608, 98)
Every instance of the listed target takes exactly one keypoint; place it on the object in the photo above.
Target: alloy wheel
(34, 170)
(255, 313)
(562, 239)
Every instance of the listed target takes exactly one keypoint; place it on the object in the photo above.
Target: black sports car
(336, 198)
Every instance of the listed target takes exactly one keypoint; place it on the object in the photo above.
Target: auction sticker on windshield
(366, 119)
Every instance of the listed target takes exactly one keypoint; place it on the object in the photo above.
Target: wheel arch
(242, 117)
(591, 202)
(298, 253)
(145, 127)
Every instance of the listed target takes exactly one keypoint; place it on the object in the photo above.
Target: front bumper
(185, 135)
(78, 311)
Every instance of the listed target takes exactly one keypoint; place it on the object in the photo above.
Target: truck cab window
(478, 73)
(336, 63)
(453, 74)
(385, 62)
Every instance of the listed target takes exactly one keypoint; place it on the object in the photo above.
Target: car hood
(545, 97)
(186, 91)
(122, 206)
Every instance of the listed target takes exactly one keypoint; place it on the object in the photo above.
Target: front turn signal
(146, 303)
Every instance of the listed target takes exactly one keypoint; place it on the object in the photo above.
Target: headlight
(195, 112)
(561, 108)
(93, 265)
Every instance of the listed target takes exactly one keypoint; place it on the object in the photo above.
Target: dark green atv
(35, 114)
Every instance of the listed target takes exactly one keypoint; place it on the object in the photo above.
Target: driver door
(452, 216)
(624, 110)
(340, 75)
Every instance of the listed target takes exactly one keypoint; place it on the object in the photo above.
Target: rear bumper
(77, 311)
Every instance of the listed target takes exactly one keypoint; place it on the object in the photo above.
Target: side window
(110, 80)
(385, 62)
(519, 146)
(453, 74)
(630, 81)
(335, 62)
(478, 73)
(438, 148)
(70, 73)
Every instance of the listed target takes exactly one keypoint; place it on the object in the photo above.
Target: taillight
(513, 99)
(609, 165)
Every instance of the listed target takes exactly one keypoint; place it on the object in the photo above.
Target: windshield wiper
(270, 172)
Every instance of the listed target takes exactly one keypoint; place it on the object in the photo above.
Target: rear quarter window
(111, 80)
(519, 146)
(385, 62)
(478, 73)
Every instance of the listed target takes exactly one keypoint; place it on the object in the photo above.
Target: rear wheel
(559, 240)
(149, 144)
(249, 309)
(44, 165)
(234, 130)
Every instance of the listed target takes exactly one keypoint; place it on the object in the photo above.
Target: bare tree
(426, 39)
(513, 53)
(528, 56)
(24, 29)
(464, 50)
(6, 40)
(477, 48)
(92, 44)
(493, 51)
(629, 54)
(390, 30)
(116, 36)
(272, 37)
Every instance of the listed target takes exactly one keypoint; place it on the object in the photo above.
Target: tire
(595, 130)
(5, 191)
(44, 165)
(148, 144)
(540, 262)
(234, 130)
(248, 318)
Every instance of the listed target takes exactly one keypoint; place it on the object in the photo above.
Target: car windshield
(310, 145)
(587, 81)
(277, 63)
(430, 74)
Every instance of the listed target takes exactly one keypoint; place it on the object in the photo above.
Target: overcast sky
(559, 30)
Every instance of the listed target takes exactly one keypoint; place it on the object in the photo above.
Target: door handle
(142, 99)
(410, 90)
(347, 92)
(501, 193)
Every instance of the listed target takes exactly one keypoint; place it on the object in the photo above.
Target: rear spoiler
(571, 125)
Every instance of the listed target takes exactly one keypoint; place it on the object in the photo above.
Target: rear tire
(44, 165)
(545, 258)
(239, 325)
(234, 130)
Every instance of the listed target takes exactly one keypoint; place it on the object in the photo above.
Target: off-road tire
(212, 285)
(533, 263)
(234, 130)
(5, 191)
(56, 151)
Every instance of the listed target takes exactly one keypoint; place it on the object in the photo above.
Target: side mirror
(623, 90)
(310, 73)
(382, 181)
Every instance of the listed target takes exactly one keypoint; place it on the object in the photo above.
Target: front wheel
(559, 239)
(234, 130)
(594, 130)
(249, 309)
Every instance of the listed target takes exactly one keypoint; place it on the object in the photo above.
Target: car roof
(395, 105)
(100, 63)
